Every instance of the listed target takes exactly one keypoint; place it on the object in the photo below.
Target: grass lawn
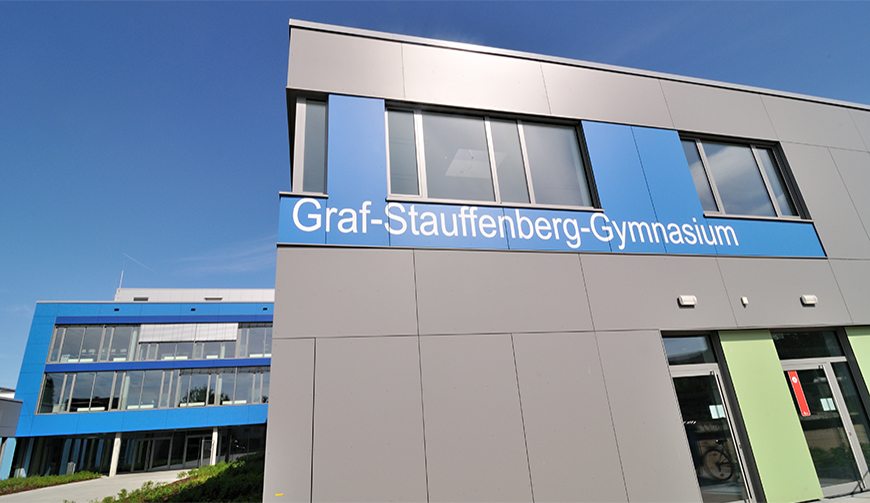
(19, 484)
(239, 480)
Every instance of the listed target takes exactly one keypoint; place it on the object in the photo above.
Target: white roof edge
(343, 30)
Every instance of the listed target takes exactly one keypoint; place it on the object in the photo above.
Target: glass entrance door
(151, 453)
(197, 451)
(715, 452)
(835, 426)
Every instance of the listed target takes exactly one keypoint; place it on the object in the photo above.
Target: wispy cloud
(17, 310)
(256, 255)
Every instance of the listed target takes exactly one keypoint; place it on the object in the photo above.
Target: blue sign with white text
(649, 203)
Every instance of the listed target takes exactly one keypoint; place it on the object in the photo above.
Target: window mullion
(421, 154)
(767, 186)
(491, 154)
(710, 179)
(526, 162)
(299, 146)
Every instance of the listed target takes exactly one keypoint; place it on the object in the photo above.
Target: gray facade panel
(345, 65)
(344, 291)
(774, 288)
(474, 431)
(368, 421)
(853, 278)
(569, 431)
(605, 96)
(497, 292)
(702, 109)
(854, 168)
(467, 79)
(813, 123)
(291, 404)
(835, 217)
(862, 122)
(640, 291)
(646, 416)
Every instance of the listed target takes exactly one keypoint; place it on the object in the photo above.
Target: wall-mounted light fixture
(744, 301)
(809, 300)
(687, 300)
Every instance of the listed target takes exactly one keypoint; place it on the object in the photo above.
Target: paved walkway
(89, 490)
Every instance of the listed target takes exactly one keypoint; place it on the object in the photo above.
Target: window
(309, 156)
(468, 158)
(739, 179)
(152, 389)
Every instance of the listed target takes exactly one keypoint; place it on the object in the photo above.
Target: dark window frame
(487, 117)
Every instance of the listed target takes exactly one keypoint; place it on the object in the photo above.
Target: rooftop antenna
(122, 279)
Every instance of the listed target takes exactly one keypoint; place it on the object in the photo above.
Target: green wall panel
(778, 442)
(859, 339)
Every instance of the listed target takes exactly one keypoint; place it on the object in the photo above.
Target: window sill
(754, 217)
(318, 195)
(526, 206)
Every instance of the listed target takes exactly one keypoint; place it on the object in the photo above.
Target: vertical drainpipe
(116, 453)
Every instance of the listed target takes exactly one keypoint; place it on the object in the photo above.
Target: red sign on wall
(799, 393)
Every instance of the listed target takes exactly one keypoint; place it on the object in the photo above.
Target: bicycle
(717, 462)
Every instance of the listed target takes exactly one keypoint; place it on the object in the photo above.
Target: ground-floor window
(139, 451)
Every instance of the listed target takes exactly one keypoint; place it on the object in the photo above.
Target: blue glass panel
(766, 238)
(356, 171)
(672, 190)
(301, 220)
(622, 188)
(553, 230)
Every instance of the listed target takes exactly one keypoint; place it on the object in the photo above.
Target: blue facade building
(156, 379)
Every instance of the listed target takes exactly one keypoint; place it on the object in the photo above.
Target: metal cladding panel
(852, 277)
(778, 444)
(143, 420)
(118, 309)
(854, 168)
(835, 216)
(813, 123)
(646, 418)
(475, 445)
(228, 416)
(764, 238)
(606, 96)
(302, 220)
(35, 354)
(706, 109)
(356, 170)
(160, 309)
(46, 309)
(569, 431)
(103, 422)
(490, 292)
(368, 421)
(621, 183)
(291, 412)
(859, 339)
(862, 122)
(194, 417)
(344, 65)
(44, 425)
(774, 288)
(671, 188)
(423, 230)
(636, 292)
(78, 309)
(467, 79)
(344, 291)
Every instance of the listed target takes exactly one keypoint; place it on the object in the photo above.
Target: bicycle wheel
(718, 465)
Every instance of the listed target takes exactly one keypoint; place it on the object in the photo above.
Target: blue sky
(152, 137)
